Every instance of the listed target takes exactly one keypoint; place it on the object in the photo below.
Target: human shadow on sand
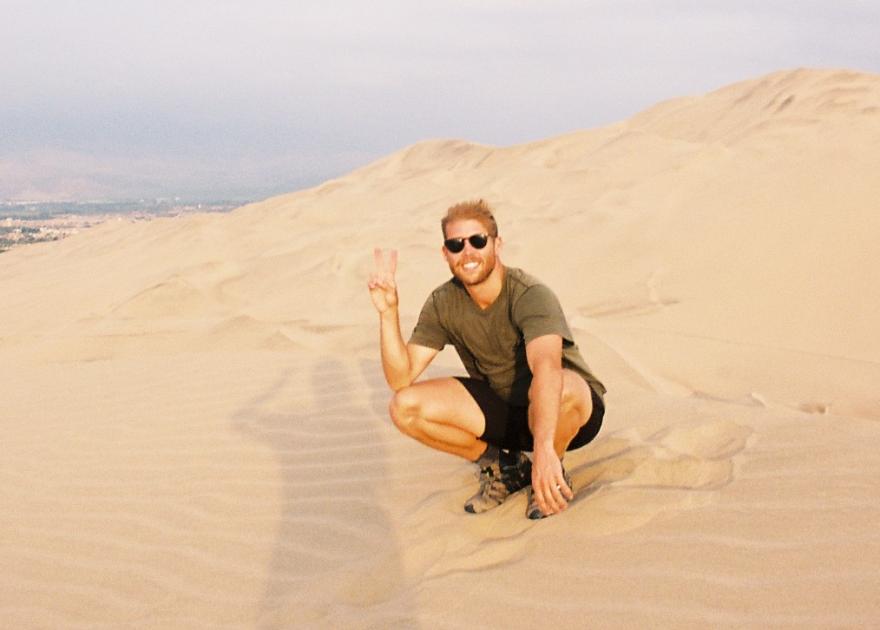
(336, 560)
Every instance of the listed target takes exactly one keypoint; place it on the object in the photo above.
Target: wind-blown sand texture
(194, 420)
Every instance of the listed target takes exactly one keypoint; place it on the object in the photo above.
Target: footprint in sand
(627, 480)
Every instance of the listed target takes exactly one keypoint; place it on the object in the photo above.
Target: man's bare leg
(575, 409)
(442, 414)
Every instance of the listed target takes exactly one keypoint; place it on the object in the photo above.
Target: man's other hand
(548, 482)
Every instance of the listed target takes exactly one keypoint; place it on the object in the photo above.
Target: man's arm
(401, 363)
(544, 355)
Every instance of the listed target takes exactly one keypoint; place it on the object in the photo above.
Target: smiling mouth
(470, 266)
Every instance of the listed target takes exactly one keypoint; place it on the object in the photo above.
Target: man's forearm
(545, 396)
(395, 359)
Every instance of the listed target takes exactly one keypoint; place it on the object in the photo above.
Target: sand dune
(194, 419)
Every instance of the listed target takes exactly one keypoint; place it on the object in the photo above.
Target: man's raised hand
(383, 288)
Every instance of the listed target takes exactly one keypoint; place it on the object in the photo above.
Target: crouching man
(528, 389)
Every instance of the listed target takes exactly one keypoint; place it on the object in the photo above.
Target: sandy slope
(194, 424)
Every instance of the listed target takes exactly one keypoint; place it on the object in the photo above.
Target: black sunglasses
(477, 241)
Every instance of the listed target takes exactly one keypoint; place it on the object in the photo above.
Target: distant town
(27, 222)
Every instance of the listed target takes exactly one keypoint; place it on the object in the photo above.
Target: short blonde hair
(478, 210)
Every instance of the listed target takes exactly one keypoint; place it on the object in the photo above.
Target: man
(528, 387)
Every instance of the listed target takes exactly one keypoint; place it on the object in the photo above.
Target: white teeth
(471, 265)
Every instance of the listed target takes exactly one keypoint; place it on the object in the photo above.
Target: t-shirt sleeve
(428, 331)
(537, 312)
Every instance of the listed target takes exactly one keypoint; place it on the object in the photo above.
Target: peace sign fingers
(383, 288)
(385, 268)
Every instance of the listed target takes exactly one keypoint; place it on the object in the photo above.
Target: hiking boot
(499, 478)
(533, 511)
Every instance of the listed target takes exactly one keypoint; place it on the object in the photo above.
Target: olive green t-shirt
(492, 342)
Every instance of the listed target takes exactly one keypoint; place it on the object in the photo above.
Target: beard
(477, 276)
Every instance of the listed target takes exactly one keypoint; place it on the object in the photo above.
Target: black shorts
(507, 426)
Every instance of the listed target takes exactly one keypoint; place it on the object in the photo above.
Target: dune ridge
(195, 420)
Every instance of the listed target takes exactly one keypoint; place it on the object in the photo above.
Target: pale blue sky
(235, 98)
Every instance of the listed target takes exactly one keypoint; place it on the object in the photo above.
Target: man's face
(471, 266)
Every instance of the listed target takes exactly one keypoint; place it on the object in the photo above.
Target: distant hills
(43, 210)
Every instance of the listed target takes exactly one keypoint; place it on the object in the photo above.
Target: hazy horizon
(235, 100)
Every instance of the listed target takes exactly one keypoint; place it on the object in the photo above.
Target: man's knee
(404, 409)
(576, 398)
